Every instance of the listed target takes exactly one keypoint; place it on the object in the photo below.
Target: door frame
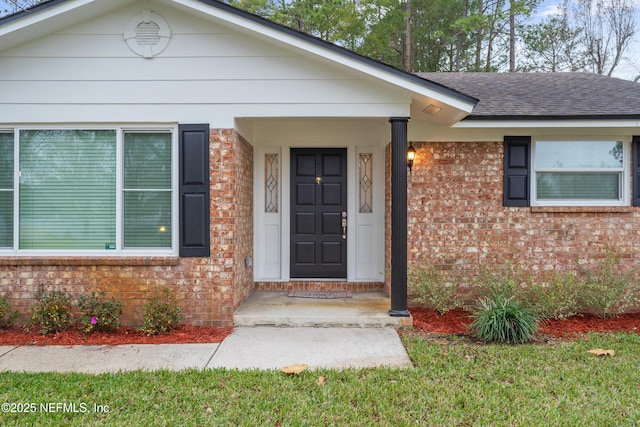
(272, 231)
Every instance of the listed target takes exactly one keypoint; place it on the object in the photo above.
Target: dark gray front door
(318, 213)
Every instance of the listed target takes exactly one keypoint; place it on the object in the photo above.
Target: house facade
(187, 145)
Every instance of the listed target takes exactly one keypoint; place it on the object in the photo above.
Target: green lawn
(453, 383)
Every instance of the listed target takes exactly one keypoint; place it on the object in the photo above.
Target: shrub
(556, 297)
(500, 319)
(7, 314)
(608, 291)
(52, 312)
(504, 281)
(433, 288)
(161, 314)
(99, 314)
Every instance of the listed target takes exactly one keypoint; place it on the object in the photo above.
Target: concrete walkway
(245, 348)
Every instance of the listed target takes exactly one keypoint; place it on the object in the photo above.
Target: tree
(517, 9)
(407, 38)
(484, 21)
(385, 31)
(552, 45)
(607, 29)
(13, 6)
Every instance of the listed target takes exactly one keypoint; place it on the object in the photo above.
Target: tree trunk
(512, 38)
(407, 40)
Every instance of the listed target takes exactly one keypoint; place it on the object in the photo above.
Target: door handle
(344, 225)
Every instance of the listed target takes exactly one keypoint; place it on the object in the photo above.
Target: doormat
(321, 294)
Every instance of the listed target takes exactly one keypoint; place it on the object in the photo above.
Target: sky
(629, 67)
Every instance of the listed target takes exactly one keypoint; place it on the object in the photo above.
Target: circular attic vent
(147, 34)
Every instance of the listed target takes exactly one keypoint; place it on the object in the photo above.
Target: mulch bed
(455, 322)
(184, 334)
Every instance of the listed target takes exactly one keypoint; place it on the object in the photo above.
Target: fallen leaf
(294, 369)
(209, 410)
(601, 352)
(322, 380)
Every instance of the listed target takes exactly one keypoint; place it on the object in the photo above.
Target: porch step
(275, 308)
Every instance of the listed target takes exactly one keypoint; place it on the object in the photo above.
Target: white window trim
(119, 251)
(625, 174)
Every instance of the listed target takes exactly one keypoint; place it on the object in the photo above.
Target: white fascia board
(584, 123)
(417, 90)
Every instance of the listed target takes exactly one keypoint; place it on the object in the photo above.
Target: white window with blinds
(574, 173)
(147, 190)
(82, 191)
(7, 161)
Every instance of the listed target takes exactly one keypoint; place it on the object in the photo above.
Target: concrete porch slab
(275, 308)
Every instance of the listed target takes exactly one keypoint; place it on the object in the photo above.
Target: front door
(318, 213)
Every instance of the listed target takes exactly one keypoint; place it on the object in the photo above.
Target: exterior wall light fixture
(411, 155)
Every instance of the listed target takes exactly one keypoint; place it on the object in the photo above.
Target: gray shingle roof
(504, 96)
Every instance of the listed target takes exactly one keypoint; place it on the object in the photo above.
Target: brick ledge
(582, 209)
(115, 261)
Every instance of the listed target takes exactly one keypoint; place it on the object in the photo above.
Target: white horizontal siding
(161, 68)
(207, 69)
(190, 91)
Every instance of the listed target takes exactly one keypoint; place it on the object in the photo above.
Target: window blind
(147, 190)
(6, 190)
(67, 189)
(578, 186)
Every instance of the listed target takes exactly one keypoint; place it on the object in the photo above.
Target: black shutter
(517, 162)
(635, 157)
(194, 190)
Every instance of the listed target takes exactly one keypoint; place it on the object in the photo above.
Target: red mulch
(453, 322)
(456, 322)
(181, 335)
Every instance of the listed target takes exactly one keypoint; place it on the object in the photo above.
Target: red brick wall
(207, 289)
(456, 217)
(243, 190)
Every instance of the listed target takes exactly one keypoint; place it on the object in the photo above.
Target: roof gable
(54, 15)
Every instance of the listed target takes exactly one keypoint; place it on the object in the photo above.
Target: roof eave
(577, 121)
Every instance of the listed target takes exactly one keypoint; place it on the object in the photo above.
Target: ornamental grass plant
(501, 319)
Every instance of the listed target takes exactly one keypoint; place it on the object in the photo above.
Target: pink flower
(94, 320)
